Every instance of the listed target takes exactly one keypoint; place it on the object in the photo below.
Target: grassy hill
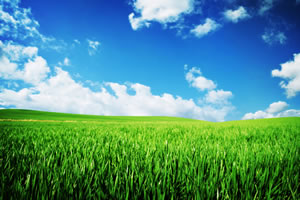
(42, 115)
(22, 114)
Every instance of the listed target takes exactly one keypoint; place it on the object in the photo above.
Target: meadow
(64, 156)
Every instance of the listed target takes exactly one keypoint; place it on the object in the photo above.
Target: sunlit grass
(150, 159)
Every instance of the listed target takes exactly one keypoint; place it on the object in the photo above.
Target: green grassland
(65, 156)
(40, 115)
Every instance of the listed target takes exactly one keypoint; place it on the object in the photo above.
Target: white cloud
(214, 101)
(108, 99)
(66, 62)
(137, 23)
(76, 41)
(218, 97)
(257, 115)
(274, 110)
(196, 80)
(93, 47)
(18, 23)
(15, 57)
(35, 70)
(277, 107)
(270, 37)
(30, 51)
(92, 84)
(6, 17)
(290, 113)
(7, 69)
(17, 52)
(236, 15)
(185, 67)
(290, 72)
(162, 11)
(203, 29)
(12, 2)
(75, 98)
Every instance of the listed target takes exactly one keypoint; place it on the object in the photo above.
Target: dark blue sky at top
(234, 56)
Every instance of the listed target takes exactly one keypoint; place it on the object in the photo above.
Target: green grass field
(65, 156)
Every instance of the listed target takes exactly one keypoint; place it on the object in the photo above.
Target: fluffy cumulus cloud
(257, 115)
(272, 37)
(236, 15)
(75, 98)
(203, 29)
(162, 11)
(45, 90)
(196, 80)
(31, 84)
(92, 47)
(290, 72)
(276, 109)
(22, 63)
(17, 52)
(179, 15)
(220, 97)
(214, 99)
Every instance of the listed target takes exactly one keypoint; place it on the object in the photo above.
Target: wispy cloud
(17, 23)
(265, 6)
(76, 41)
(65, 62)
(272, 37)
(93, 47)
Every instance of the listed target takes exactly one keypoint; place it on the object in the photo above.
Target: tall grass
(150, 160)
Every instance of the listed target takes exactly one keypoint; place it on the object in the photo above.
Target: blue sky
(210, 60)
